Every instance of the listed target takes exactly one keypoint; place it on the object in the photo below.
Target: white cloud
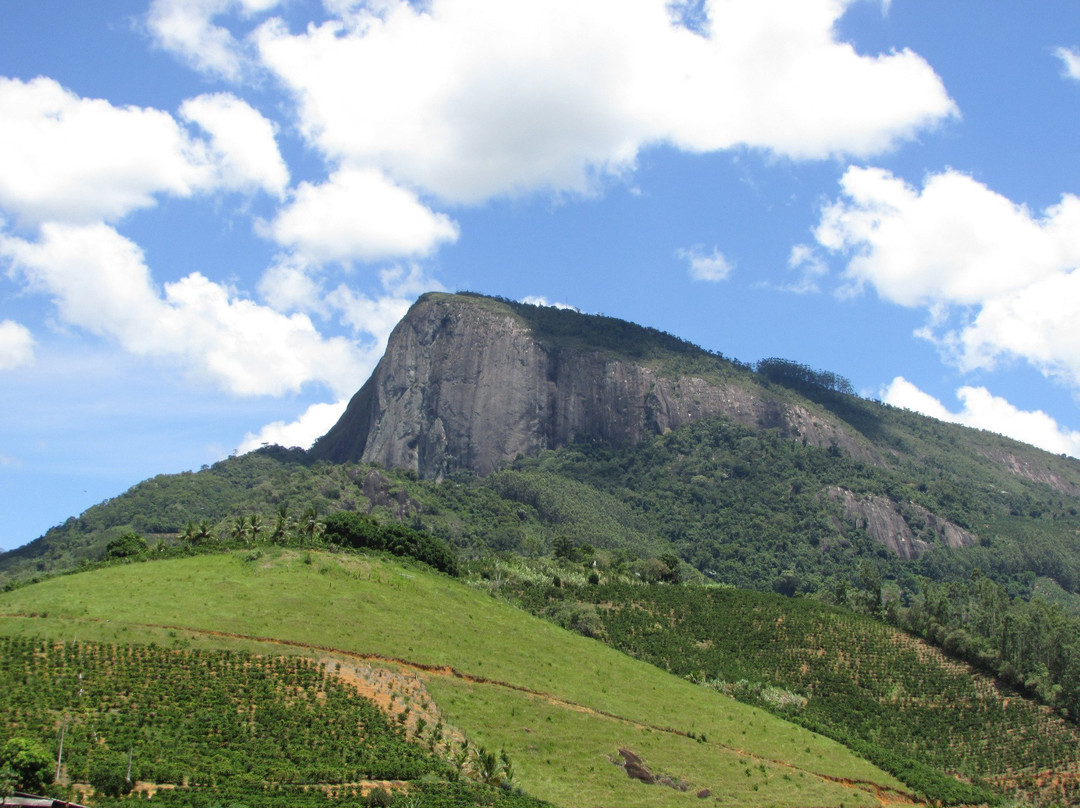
(1037, 323)
(315, 422)
(374, 316)
(358, 215)
(242, 140)
(1070, 61)
(377, 316)
(954, 242)
(470, 99)
(295, 285)
(101, 284)
(540, 300)
(705, 266)
(16, 345)
(998, 280)
(811, 268)
(80, 160)
(186, 28)
(288, 286)
(410, 282)
(982, 410)
(83, 160)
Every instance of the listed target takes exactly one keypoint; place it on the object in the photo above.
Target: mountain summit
(471, 382)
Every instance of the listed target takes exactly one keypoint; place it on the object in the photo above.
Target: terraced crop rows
(200, 716)
(865, 683)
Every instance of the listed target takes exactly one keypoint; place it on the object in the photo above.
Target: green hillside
(897, 700)
(562, 706)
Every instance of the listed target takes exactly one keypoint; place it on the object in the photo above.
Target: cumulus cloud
(1070, 61)
(242, 141)
(470, 99)
(374, 316)
(186, 28)
(100, 283)
(999, 281)
(312, 424)
(982, 410)
(288, 285)
(810, 268)
(16, 345)
(82, 160)
(75, 159)
(358, 215)
(705, 266)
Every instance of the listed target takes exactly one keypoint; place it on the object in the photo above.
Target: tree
(204, 532)
(487, 767)
(8, 781)
(280, 532)
(107, 776)
(189, 533)
(351, 529)
(26, 762)
(239, 530)
(127, 545)
(310, 525)
(563, 547)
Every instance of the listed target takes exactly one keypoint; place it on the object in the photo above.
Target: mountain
(516, 425)
(471, 383)
(579, 466)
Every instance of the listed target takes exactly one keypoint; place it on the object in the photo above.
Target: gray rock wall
(465, 384)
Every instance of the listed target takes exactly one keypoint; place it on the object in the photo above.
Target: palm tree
(204, 532)
(487, 767)
(311, 525)
(255, 527)
(281, 526)
(239, 529)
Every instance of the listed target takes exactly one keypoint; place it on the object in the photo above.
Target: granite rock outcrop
(466, 383)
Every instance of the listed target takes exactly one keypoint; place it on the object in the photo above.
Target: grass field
(561, 705)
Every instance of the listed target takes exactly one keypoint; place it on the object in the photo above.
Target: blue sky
(213, 212)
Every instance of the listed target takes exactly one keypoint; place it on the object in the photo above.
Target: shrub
(26, 764)
(127, 545)
(107, 777)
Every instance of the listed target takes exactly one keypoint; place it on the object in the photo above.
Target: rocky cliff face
(467, 384)
(908, 530)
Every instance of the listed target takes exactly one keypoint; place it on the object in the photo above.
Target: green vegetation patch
(374, 606)
(570, 755)
(898, 701)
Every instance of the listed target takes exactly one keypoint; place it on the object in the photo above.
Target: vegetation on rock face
(802, 377)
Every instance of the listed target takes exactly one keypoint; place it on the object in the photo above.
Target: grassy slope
(587, 700)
